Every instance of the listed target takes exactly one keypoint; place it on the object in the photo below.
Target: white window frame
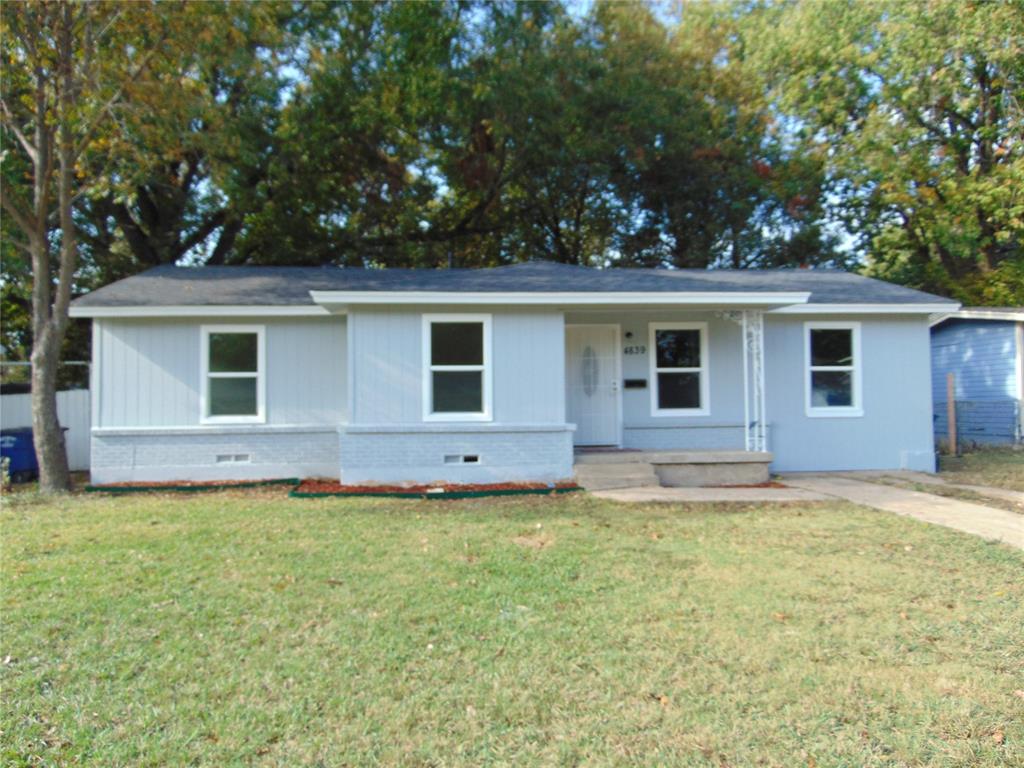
(260, 417)
(486, 368)
(833, 411)
(703, 370)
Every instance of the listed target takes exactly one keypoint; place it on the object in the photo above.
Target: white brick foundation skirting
(446, 453)
(255, 452)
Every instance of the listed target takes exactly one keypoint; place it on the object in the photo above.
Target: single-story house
(502, 374)
(983, 347)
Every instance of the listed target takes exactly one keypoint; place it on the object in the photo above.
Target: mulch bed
(312, 488)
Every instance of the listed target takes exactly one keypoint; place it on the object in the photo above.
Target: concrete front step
(600, 477)
(602, 470)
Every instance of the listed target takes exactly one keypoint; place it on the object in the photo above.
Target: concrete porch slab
(672, 457)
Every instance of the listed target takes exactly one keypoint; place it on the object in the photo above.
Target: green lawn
(250, 629)
(999, 467)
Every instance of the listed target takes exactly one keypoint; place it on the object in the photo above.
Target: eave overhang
(341, 301)
(201, 310)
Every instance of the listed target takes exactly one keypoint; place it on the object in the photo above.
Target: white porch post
(746, 383)
(754, 395)
(755, 424)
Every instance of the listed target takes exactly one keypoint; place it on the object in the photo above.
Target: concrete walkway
(680, 495)
(987, 522)
(1017, 497)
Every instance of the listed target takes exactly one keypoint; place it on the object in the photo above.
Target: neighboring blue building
(983, 348)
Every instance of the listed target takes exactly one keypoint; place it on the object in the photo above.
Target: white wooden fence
(73, 412)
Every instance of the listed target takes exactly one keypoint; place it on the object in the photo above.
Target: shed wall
(982, 355)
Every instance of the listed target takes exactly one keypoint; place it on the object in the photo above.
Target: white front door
(592, 383)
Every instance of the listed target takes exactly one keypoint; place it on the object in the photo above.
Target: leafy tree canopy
(881, 135)
(918, 108)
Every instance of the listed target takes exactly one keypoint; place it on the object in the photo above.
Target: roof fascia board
(862, 309)
(578, 298)
(978, 314)
(200, 310)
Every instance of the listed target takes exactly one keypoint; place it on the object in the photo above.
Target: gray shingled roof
(209, 286)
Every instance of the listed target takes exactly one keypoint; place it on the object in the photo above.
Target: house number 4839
(637, 349)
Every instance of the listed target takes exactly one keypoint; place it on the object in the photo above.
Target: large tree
(919, 108)
(75, 74)
(469, 134)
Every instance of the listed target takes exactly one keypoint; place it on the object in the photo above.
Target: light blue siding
(982, 356)
(528, 365)
(371, 363)
(896, 428)
(149, 372)
(722, 427)
(388, 439)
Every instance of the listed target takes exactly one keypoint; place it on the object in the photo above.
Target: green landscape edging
(446, 495)
(295, 482)
(292, 481)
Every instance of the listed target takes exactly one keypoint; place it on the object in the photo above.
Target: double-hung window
(233, 374)
(833, 369)
(679, 369)
(456, 371)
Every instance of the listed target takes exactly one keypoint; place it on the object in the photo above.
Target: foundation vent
(461, 458)
(234, 458)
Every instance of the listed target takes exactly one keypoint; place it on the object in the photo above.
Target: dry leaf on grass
(532, 542)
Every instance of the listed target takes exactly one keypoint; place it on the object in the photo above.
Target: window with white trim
(833, 368)
(679, 369)
(232, 363)
(457, 375)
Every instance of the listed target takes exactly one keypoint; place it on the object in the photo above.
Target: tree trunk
(50, 321)
(47, 434)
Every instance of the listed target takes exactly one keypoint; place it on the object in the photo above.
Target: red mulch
(333, 486)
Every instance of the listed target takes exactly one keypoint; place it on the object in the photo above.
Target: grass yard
(998, 467)
(250, 629)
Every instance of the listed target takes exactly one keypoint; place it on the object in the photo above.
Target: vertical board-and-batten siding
(149, 372)
(895, 430)
(147, 424)
(983, 357)
(387, 439)
(528, 365)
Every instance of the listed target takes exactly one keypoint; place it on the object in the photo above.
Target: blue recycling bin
(16, 446)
